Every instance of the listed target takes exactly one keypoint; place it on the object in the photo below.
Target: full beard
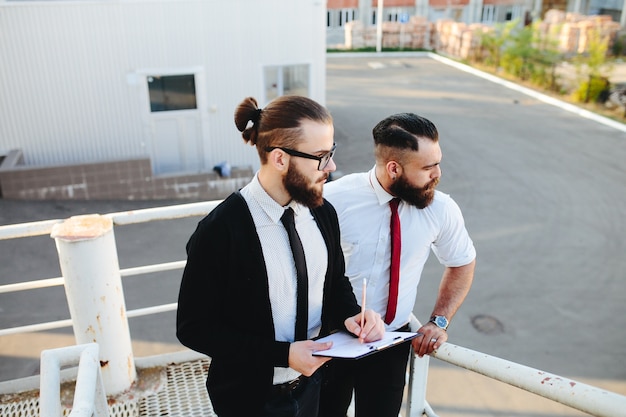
(420, 197)
(300, 189)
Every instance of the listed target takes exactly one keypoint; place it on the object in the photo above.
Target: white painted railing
(89, 395)
(583, 397)
(571, 393)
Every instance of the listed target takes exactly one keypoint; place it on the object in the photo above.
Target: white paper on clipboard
(347, 346)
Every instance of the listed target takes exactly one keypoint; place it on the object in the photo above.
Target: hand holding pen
(367, 325)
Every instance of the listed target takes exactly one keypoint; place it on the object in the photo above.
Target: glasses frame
(329, 155)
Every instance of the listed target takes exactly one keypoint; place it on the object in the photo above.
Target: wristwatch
(440, 321)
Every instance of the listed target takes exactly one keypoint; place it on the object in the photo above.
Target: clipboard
(348, 346)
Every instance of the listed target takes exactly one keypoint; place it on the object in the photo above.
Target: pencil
(363, 295)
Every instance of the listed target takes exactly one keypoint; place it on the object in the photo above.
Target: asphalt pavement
(543, 192)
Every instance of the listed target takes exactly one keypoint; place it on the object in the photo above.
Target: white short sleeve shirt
(364, 218)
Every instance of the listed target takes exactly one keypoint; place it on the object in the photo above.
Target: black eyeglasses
(323, 160)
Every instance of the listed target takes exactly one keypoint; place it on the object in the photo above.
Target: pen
(363, 307)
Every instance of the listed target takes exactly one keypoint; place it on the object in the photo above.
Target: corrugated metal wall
(69, 90)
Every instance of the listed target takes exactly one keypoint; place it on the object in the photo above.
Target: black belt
(290, 386)
(405, 328)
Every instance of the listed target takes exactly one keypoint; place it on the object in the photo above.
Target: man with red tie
(391, 218)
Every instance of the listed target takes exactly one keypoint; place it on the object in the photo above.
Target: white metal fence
(89, 397)
(583, 397)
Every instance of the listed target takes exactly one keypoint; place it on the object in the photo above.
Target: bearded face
(420, 197)
(308, 192)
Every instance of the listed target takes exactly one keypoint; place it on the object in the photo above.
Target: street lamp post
(379, 26)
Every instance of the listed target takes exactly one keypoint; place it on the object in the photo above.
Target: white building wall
(71, 72)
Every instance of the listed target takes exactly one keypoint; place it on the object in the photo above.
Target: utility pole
(379, 26)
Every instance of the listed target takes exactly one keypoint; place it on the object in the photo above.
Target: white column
(535, 11)
(475, 11)
(421, 8)
(622, 19)
(365, 12)
(379, 26)
(93, 286)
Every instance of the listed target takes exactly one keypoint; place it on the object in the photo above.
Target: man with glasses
(265, 270)
(390, 219)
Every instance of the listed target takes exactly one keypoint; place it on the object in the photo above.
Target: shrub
(592, 90)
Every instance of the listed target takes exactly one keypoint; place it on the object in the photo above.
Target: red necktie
(394, 272)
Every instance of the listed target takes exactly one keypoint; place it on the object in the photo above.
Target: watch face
(441, 321)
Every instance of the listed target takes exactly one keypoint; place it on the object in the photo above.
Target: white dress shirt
(281, 268)
(364, 217)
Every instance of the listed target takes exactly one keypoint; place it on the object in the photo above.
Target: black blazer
(224, 306)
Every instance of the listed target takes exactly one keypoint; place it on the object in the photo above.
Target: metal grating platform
(184, 393)
(174, 390)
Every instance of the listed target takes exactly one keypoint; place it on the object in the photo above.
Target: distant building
(93, 82)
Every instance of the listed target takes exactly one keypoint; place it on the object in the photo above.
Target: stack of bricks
(395, 35)
(458, 39)
(570, 31)
(470, 40)
(354, 35)
(415, 34)
(421, 32)
(605, 26)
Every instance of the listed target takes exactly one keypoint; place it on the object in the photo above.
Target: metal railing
(571, 393)
(89, 396)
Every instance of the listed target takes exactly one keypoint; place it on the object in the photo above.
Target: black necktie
(302, 309)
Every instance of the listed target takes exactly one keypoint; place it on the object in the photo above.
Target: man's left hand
(429, 340)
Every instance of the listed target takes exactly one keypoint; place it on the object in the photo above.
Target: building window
(337, 18)
(489, 14)
(346, 15)
(172, 92)
(286, 80)
(393, 14)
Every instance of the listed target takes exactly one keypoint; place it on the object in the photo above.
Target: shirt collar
(273, 210)
(383, 196)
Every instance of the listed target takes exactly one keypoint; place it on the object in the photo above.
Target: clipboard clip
(395, 341)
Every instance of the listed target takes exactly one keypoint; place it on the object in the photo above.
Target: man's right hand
(301, 356)
(373, 330)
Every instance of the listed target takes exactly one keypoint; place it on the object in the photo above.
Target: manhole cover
(487, 324)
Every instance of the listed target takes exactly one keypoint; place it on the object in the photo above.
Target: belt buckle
(293, 384)
(286, 387)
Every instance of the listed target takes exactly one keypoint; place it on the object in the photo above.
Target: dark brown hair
(278, 124)
(400, 132)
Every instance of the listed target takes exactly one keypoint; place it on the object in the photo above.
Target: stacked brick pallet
(571, 31)
(458, 39)
(415, 34)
